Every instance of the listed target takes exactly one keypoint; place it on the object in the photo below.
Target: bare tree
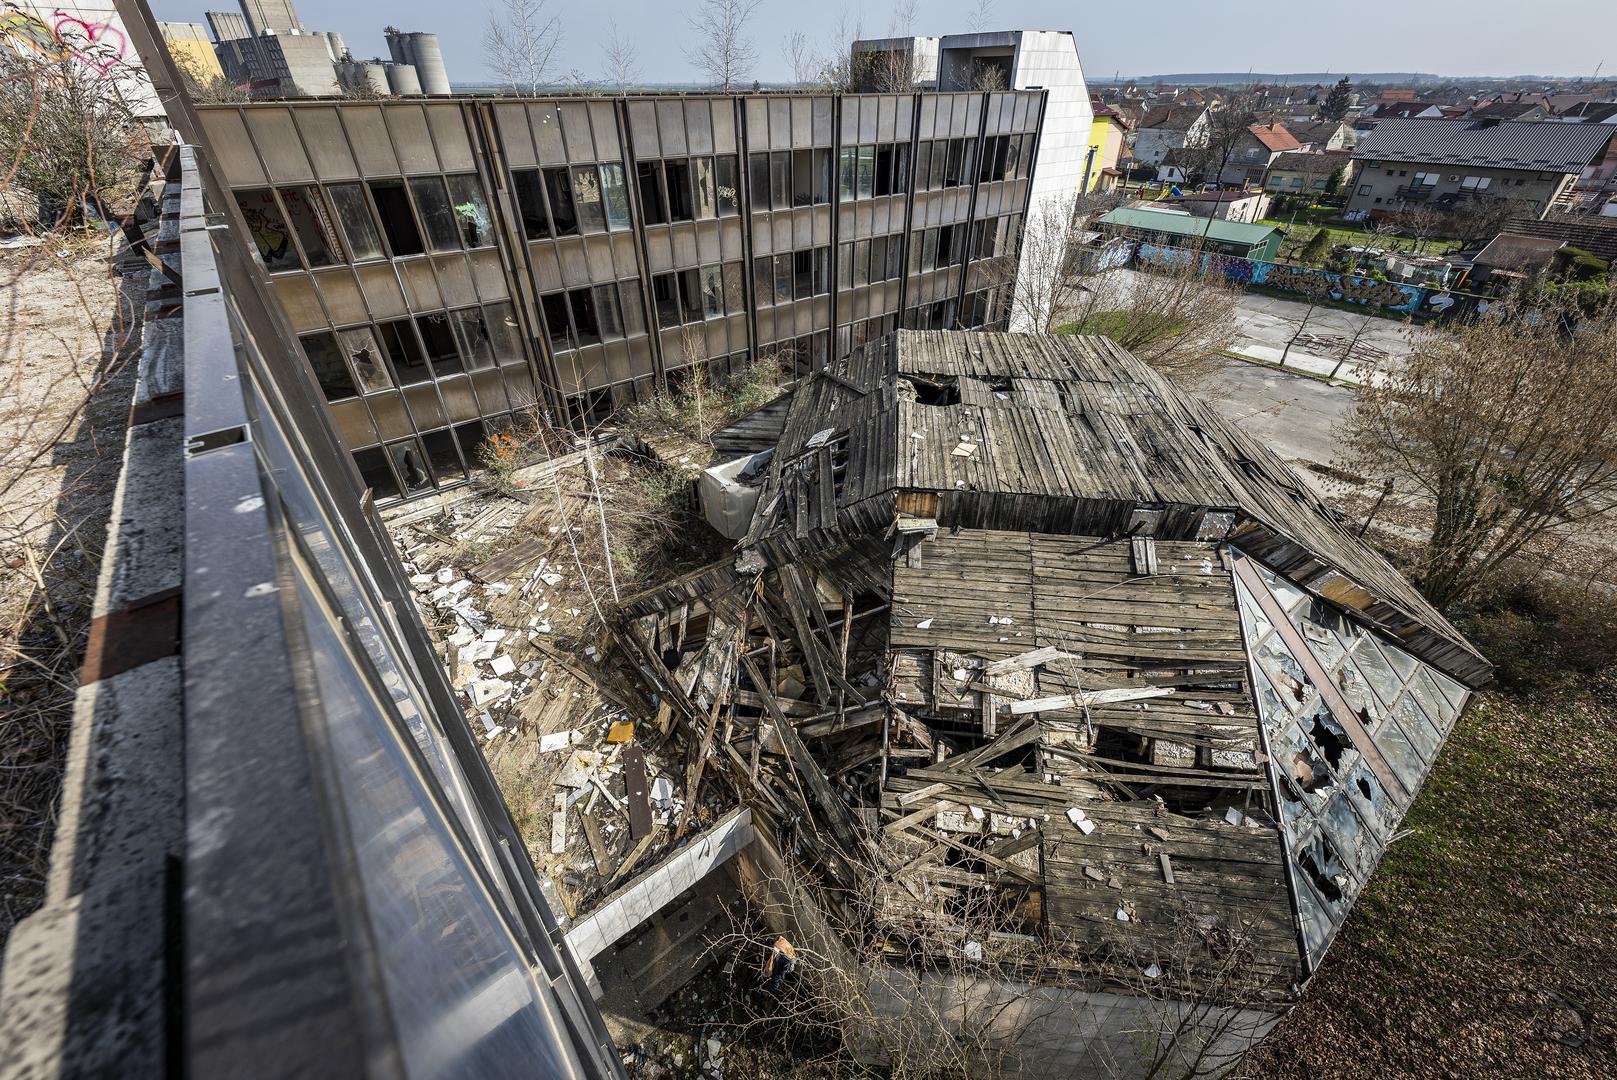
(723, 52)
(1506, 424)
(1037, 272)
(1421, 221)
(1227, 127)
(622, 59)
(520, 42)
(802, 58)
(981, 16)
(1478, 219)
(1178, 316)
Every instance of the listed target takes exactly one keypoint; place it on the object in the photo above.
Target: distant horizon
(1111, 39)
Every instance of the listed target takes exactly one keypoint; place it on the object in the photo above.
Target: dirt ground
(69, 333)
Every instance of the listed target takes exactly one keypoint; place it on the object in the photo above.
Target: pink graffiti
(98, 51)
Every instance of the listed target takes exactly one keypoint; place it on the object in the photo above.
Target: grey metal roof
(1533, 145)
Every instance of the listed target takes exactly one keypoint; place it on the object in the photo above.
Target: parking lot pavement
(1295, 416)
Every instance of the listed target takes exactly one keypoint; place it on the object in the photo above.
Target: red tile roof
(1275, 137)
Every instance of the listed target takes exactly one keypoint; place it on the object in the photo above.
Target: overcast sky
(1480, 37)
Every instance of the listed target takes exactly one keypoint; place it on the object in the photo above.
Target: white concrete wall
(1049, 59)
(644, 896)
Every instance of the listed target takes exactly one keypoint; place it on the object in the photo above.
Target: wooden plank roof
(1067, 433)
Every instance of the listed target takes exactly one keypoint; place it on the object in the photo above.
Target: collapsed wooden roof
(1030, 650)
(1065, 435)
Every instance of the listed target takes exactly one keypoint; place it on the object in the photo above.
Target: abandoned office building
(447, 263)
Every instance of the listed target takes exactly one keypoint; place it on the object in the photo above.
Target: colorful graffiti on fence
(1307, 281)
(99, 46)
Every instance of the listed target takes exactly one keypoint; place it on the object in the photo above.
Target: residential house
(1254, 152)
(1442, 163)
(1325, 135)
(1108, 137)
(1239, 206)
(1169, 127)
(1179, 228)
(1593, 233)
(1298, 173)
(1405, 110)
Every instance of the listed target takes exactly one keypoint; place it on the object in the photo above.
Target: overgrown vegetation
(694, 408)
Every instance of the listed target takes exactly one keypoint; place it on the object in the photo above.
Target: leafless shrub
(981, 992)
(1504, 423)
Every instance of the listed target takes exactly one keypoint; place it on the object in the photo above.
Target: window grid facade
(451, 264)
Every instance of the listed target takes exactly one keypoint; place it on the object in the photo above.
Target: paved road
(1264, 324)
(1295, 416)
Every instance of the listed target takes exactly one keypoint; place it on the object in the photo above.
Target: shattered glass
(1336, 816)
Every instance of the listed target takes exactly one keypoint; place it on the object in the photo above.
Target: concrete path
(1264, 325)
(1297, 417)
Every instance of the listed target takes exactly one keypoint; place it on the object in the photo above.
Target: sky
(1481, 37)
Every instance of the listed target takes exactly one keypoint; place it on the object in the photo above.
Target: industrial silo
(429, 62)
(401, 79)
(334, 44)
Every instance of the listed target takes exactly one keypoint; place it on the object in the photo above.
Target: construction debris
(988, 634)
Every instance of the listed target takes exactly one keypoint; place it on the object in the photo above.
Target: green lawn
(1119, 325)
(1301, 230)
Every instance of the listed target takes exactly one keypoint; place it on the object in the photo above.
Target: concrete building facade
(1045, 60)
(451, 263)
(1445, 163)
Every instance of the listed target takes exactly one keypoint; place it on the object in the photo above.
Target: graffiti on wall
(1316, 284)
(97, 46)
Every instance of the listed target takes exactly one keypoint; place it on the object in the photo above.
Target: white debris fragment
(464, 636)
(493, 635)
(662, 792)
(550, 579)
(819, 438)
(924, 624)
(1122, 914)
(556, 740)
(1152, 972)
(1234, 816)
(502, 665)
(488, 691)
(1080, 821)
(974, 950)
(446, 575)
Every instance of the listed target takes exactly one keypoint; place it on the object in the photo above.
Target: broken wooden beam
(1088, 698)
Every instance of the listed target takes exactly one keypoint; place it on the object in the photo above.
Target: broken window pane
(312, 221)
(437, 216)
(409, 363)
(410, 466)
(712, 292)
(587, 198)
(734, 297)
(398, 223)
(678, 174)
(557, 320)
(474, 337)
(616, 192)
(443, 457)
(354, 214)
(329, 369)
(649, 174)
(374, 473)
(365, 356)
(471, 210)
(531, 204)
(665, 298)
(560, 192)
(268, 228)
(763, 280)
(439, 342)
(706, 197)
(586, 327)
